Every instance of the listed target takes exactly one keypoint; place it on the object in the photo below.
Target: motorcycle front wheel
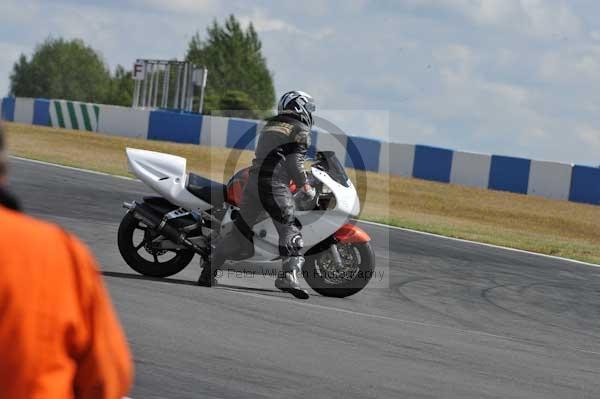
(328, 279)
(134, 241)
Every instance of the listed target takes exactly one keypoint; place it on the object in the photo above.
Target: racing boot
(212, 264)
(208, 276)
(288, 281)
(233, 246)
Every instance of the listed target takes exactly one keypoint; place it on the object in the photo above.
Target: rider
(279, 159)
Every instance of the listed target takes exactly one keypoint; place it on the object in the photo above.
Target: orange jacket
(59, 336)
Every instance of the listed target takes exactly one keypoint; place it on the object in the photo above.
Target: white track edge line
(522, 251)
(360, 221)
(94, 172)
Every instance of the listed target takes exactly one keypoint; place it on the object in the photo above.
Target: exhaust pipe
(159, 224)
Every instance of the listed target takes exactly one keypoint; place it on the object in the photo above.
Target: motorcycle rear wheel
(131, 252)
(327, 280)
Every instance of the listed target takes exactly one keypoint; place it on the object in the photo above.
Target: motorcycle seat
(207, 190)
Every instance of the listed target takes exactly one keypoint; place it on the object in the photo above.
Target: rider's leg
(290, 243)
(237, 241)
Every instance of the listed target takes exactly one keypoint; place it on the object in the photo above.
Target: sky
(510, 77)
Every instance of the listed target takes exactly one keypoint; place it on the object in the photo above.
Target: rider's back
(280, 151)
(59, 336)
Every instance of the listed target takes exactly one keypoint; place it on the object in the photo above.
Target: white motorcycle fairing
(317, 225)
(166, 174)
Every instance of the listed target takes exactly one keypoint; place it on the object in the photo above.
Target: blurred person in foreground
(59, 335)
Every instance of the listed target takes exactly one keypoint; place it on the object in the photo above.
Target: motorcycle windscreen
(327, 161)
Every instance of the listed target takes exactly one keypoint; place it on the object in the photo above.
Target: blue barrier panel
(509, 174)
(8, 109)
(174, 126)
(362, 153)
(41, 112)
(241, 134)
(432, 163)
(585, 185)
(312, 149)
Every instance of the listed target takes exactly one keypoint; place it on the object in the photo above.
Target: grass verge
(531, 223)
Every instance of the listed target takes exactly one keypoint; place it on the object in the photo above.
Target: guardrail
(497, 172)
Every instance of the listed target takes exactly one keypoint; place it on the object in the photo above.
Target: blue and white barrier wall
(518, 175)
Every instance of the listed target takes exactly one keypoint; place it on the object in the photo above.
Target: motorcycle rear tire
(141, 265)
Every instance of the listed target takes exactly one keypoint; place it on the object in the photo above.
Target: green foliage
(61, 69)
(238, 104)
(235, 65)
(211, 104)
(70, 70)
(120, 90)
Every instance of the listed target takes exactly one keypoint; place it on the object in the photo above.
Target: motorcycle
(160, 235)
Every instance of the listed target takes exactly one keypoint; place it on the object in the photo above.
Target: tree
(237, 104)
(235, 65)
(120, 90)
(61, 69)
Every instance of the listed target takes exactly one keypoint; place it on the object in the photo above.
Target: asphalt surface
(448, 319)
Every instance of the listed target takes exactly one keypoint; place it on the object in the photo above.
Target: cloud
(263, 23)
(17, 12)
(512, 94)
(537, 18)
(590, 136)
(547, 19)
(467, 86)
(177, 6)
(9, 54)
(357, 122)
(571, 65)
(457, 60)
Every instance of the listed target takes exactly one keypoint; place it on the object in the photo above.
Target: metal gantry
(168, 84)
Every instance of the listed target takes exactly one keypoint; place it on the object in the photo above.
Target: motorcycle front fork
(335, 255)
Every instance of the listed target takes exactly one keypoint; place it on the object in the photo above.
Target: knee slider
(297, 242)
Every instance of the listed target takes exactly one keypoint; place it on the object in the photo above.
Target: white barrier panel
(214, 131)
(24, 110)
(397, 159)
(550, 179)
(470, 169)
(332, 142)
(122, 121)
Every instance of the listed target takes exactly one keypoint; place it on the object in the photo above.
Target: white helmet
(299, 104)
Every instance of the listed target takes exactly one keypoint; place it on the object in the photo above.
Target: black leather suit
(279, 158)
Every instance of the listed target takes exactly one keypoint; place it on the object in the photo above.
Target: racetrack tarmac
(449, 320)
